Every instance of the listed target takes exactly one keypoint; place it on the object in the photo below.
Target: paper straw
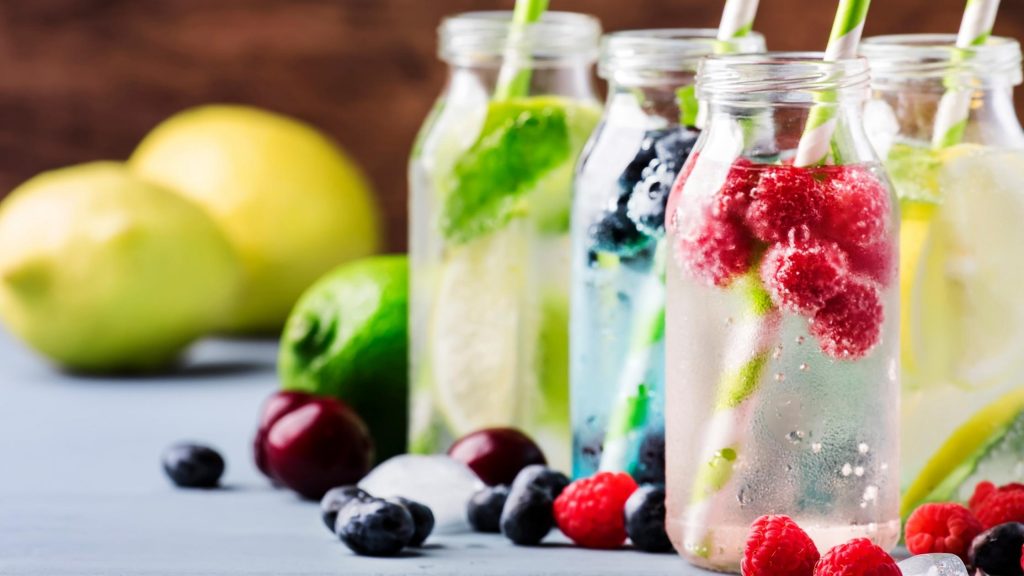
(737, 19)
(514, 76)
(842, 44)
(955, 106)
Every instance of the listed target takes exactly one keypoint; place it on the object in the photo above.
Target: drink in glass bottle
(622, 186)
(491, 188)
(962, 209)
(782, 316)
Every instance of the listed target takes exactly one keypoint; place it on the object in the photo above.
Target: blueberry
(616, 233)
(997, 551)
(422, 519)
(647, 205)
(650, 467)
(335, 499)
(193, 465)
(375, 527)
(674, 148)
(648, 152)
(645, 519)
(528, 515)
(484, 509)
(539, 476)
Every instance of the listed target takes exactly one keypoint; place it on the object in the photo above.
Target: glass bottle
(491, 191)
(782, 316)
(962, 308)
(618, 303)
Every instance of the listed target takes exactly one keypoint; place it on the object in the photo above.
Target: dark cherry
(317, 446)
(497, 454)
(276, 406)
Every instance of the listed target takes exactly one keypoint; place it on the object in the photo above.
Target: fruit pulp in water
(962, 317)
(489, 264)
(777, 403)
(617, 334)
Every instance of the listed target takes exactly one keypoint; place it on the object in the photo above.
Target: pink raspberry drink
(782, 317)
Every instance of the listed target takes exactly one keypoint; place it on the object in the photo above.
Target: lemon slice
(477, 328)
(974, 445)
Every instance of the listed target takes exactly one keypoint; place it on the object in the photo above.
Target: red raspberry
(784, 198)
(942, 528)
(1000, 507)
(591, 511)
(802, 275)
(858, 557)
(875, 261)
(985, 489)
(776, 546)
(850, 324)
(857, 209)
(734, 197)
(718, 251)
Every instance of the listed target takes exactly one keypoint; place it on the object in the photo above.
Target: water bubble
(847, 469)
(777, 353)
(816, 447)
(743, 497)
(804, 367)
(796, 436)
(883, 466)
(799, 340)
(780, 377)
(858, 471)
(863, 448)
(871, 493)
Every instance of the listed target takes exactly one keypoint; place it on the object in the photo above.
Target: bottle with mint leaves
(490, 197)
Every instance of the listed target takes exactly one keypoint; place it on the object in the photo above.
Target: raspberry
(718, 252)
(784, 198)
(776, 546)
(985, 489)
(802, 275)
(1000, 507)
(875, 261)
(849, 324)
(734, 197)
(858, 557)
(942, 528)
(591, 511)
(857, 207)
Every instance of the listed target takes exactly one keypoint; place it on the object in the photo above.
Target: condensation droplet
(883, 466)
(799, 340)
(729, 320)
(847, 469)
(796, 436)
(858, 471)
(871, 493)
(863, 448)
(804, 367)
(780, 377)
(816, 447)
(777, 353)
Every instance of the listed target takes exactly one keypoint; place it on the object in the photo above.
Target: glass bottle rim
(782, 78)
(901, 59)
(636, 56)
(483, 38)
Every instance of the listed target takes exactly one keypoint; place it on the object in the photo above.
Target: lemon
(289, 200)
(348, 337)
(102, 271)
(476, 329)
(974, 445)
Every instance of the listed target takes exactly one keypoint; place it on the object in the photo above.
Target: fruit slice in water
(477, 328)
(990, 442)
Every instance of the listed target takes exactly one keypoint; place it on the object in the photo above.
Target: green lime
(978, 444)
(348, 337)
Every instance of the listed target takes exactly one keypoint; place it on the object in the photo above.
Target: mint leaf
(520, 142)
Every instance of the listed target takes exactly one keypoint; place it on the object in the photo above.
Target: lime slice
(476, 330)
(976, 445)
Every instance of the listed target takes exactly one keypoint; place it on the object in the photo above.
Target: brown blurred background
(85, 79)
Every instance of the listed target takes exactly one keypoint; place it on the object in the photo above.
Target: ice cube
(443, 484)
(933, 565)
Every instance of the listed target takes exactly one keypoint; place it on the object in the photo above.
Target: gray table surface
(82, 492)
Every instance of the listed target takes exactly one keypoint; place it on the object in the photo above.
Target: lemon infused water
(961, 191)
(782, 316)
(491, 189)
(647, 131)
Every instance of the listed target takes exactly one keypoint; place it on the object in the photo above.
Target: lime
(977, 444)
(348, 337)
(291, 202)
(102, 271)
(476, 329)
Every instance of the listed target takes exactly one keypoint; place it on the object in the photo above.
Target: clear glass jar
(618, 302)
(962, 308)
(491, 192)
(782, 316)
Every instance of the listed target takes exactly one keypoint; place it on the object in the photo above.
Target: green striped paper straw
(737, 19)
(821, 122)
(514, 76)
(955, 106)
